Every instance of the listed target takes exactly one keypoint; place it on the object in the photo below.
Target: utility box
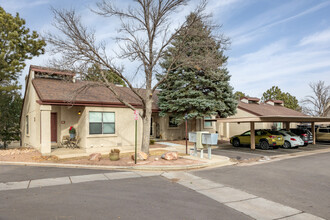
(210, 139)
(202, 140)
(199, 135)
(192, 137)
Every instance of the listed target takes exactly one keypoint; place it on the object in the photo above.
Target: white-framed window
(207, 124)
(27, 124)
(101, 122)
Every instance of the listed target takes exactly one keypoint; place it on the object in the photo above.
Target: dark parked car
(304, 134)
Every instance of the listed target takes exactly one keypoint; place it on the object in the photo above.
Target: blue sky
(284, 43)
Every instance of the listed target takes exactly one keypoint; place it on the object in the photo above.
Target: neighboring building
(251, 107)
(327, 111)
(54, 101)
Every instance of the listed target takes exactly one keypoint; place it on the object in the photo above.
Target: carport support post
(253, 145)
(287, 126)
(313, 132)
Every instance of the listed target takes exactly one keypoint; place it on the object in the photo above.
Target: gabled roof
(263, 109)
(62, 92)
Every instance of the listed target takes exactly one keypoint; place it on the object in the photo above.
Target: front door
(53, 127)
(151, 128)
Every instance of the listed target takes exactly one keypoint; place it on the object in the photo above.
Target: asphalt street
(298, 185)
(138, 198)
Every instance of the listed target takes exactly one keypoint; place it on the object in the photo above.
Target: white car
(291, 139)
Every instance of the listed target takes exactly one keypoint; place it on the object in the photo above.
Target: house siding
(32, 110)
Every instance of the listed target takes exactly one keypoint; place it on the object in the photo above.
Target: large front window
(101, 122)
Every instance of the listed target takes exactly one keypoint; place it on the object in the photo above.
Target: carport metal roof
(272, 118)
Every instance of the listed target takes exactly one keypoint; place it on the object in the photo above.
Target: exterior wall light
(79, 112)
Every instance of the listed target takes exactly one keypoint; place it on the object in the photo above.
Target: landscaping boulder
(95, 157)
(170, 156)
(140, 156)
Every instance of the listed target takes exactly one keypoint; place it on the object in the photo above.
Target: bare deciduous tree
(146, 31)
(317, 103)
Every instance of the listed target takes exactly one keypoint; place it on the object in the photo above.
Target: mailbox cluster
(203, 139)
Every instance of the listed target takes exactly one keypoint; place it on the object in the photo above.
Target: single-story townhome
(54, 101)
(252, 107)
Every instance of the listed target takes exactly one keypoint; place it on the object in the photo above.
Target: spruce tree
(17, 44)
(199, 83)
(276, 93)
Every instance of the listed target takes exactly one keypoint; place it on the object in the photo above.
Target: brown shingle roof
(54, 91)
(263, 109)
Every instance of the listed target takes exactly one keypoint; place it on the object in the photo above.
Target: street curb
(141, 168)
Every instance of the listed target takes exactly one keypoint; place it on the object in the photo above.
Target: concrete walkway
(73, 180)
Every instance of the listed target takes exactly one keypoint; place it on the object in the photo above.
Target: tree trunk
(146, 127)
(5, 145)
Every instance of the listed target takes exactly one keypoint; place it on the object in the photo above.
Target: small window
(27, 124)
(101, 122)
(171, 122)
(323, 130)
(207, 124)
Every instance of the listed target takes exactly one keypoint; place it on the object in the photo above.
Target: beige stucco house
(54, 101)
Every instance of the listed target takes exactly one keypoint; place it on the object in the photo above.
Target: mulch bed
(32, 155)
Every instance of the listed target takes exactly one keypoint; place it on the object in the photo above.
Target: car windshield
(290, 133)
(284, 133)
(275, 132)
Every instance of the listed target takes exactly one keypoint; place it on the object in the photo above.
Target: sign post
(186, 119)
(136, 118)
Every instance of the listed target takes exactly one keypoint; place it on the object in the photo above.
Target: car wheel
(264, 145)
(236, 142)
(305, 145)
(286, 145)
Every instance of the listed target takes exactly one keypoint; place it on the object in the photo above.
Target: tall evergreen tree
(200, 87)
(17, 44)
(10, 110)
(276, 93)
(238, 95)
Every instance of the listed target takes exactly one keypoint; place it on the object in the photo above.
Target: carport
(286, 120)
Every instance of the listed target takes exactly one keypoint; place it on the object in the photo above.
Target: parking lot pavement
(11, 173)
(244, 152)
